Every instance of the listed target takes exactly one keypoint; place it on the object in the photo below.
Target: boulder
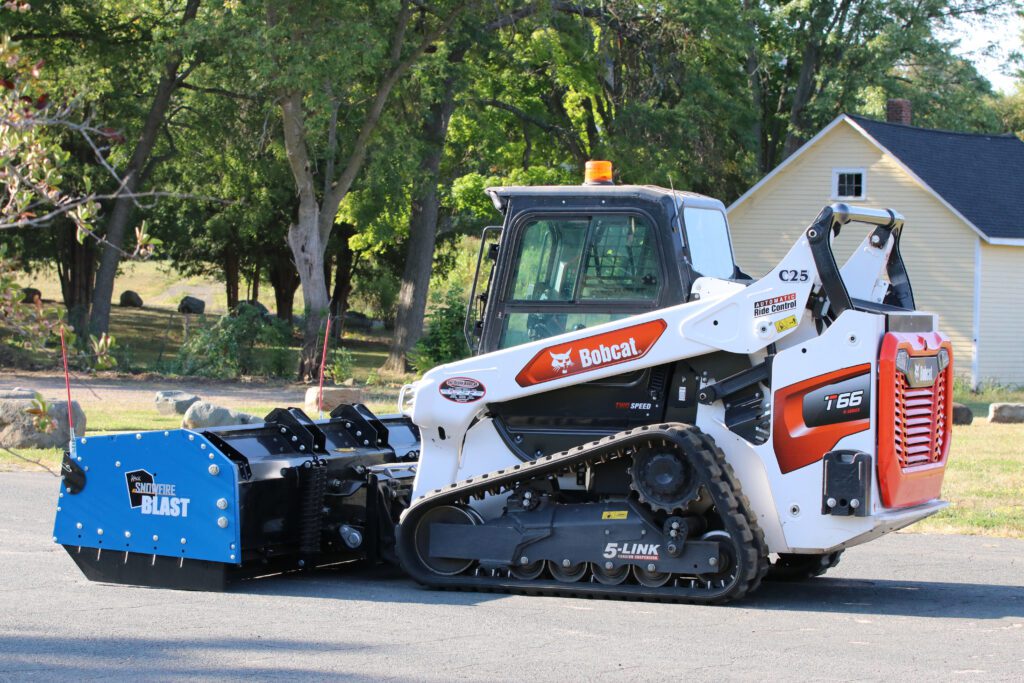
(30, 294)
(962, 415)
(130, 299)
(264, 312)
(202, 414)
(190, 304)
(174, 402)
(17, 392)
(17, 429)
(333, 397)
(354, 320)
(1006, 412)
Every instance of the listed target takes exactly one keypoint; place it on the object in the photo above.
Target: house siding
(1001, 345)
(937, 246)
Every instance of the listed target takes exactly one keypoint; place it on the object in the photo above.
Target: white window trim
(863, 182)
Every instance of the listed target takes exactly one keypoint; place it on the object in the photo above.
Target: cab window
(622, 261)
(707, 234)
(549, 260)
(600, 264)
(605, 258)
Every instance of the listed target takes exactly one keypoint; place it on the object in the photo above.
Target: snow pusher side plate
(169, 498)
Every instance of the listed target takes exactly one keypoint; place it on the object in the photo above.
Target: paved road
(909, 607)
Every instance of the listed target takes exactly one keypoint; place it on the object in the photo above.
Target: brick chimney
(897, 110)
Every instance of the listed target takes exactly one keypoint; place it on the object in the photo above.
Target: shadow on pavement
(69, 658)
(842, 596)
(939, 599)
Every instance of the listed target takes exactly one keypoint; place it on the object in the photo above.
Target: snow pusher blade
(193, 509)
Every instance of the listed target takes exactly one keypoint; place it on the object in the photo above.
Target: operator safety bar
(888, 224)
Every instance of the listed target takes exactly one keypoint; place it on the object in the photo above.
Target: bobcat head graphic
(561, 361)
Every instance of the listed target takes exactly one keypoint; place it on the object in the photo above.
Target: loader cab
(568, 258)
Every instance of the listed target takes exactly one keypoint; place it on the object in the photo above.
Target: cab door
(567, 272)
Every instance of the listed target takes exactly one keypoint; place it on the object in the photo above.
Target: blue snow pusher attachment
(193, 509)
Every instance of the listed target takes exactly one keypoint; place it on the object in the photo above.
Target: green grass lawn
(984, 483)
(979, 401)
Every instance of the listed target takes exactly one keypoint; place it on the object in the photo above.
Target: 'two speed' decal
(591, 353)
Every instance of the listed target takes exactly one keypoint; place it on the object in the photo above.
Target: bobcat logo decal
(561, 362)
(595, 352)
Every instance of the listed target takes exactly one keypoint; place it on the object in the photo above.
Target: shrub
(339, 365)
(243, 342)
(444, 340)
(376, 293)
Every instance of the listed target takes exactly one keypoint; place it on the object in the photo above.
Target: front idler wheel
(444, 514)
(726, 559)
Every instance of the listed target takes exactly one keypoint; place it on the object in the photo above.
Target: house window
(848, 183)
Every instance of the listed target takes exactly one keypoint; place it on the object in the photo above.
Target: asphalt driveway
(907, 607)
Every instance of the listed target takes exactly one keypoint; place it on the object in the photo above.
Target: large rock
(17, 392)
(190, 304)
(333, 397)
(202, 414)
(354, 320)
(131, 299)
(263, 311)
(174, 402)
(962, 415)
(1006, 412)
(17, 429)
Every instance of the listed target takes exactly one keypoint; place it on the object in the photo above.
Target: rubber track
(717, 477)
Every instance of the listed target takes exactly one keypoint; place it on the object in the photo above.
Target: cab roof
(651, 193)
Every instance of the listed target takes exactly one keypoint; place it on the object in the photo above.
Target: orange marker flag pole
(323, 361)
(67, 386)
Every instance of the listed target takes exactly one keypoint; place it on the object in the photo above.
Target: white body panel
(459, 439)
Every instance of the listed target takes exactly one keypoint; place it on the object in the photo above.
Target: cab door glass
(596, 265)
(622, 261)
(707, 235)
(549, 260)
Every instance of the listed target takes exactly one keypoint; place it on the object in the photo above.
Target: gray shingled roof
(981, 176)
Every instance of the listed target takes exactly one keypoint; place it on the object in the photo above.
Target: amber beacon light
(598, 173)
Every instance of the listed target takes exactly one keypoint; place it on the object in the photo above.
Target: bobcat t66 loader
(640, 420)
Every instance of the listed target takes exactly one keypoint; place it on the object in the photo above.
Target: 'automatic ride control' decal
(591, 353)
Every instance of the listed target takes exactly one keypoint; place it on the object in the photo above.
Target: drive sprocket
(663, 479)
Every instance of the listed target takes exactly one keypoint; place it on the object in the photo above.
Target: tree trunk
(231, 276)
(255, 284)
(76, 267)
(285, 281)
(801, 98)
(419, 251)
(752, 68)
(342, 279)
(123, 206)
(304, 239)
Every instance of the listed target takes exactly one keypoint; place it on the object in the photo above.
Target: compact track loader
(640, 420)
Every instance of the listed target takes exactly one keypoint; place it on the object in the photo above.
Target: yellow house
(963, 243)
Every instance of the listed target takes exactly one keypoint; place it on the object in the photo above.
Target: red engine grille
(920, 422)
(913, 421)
